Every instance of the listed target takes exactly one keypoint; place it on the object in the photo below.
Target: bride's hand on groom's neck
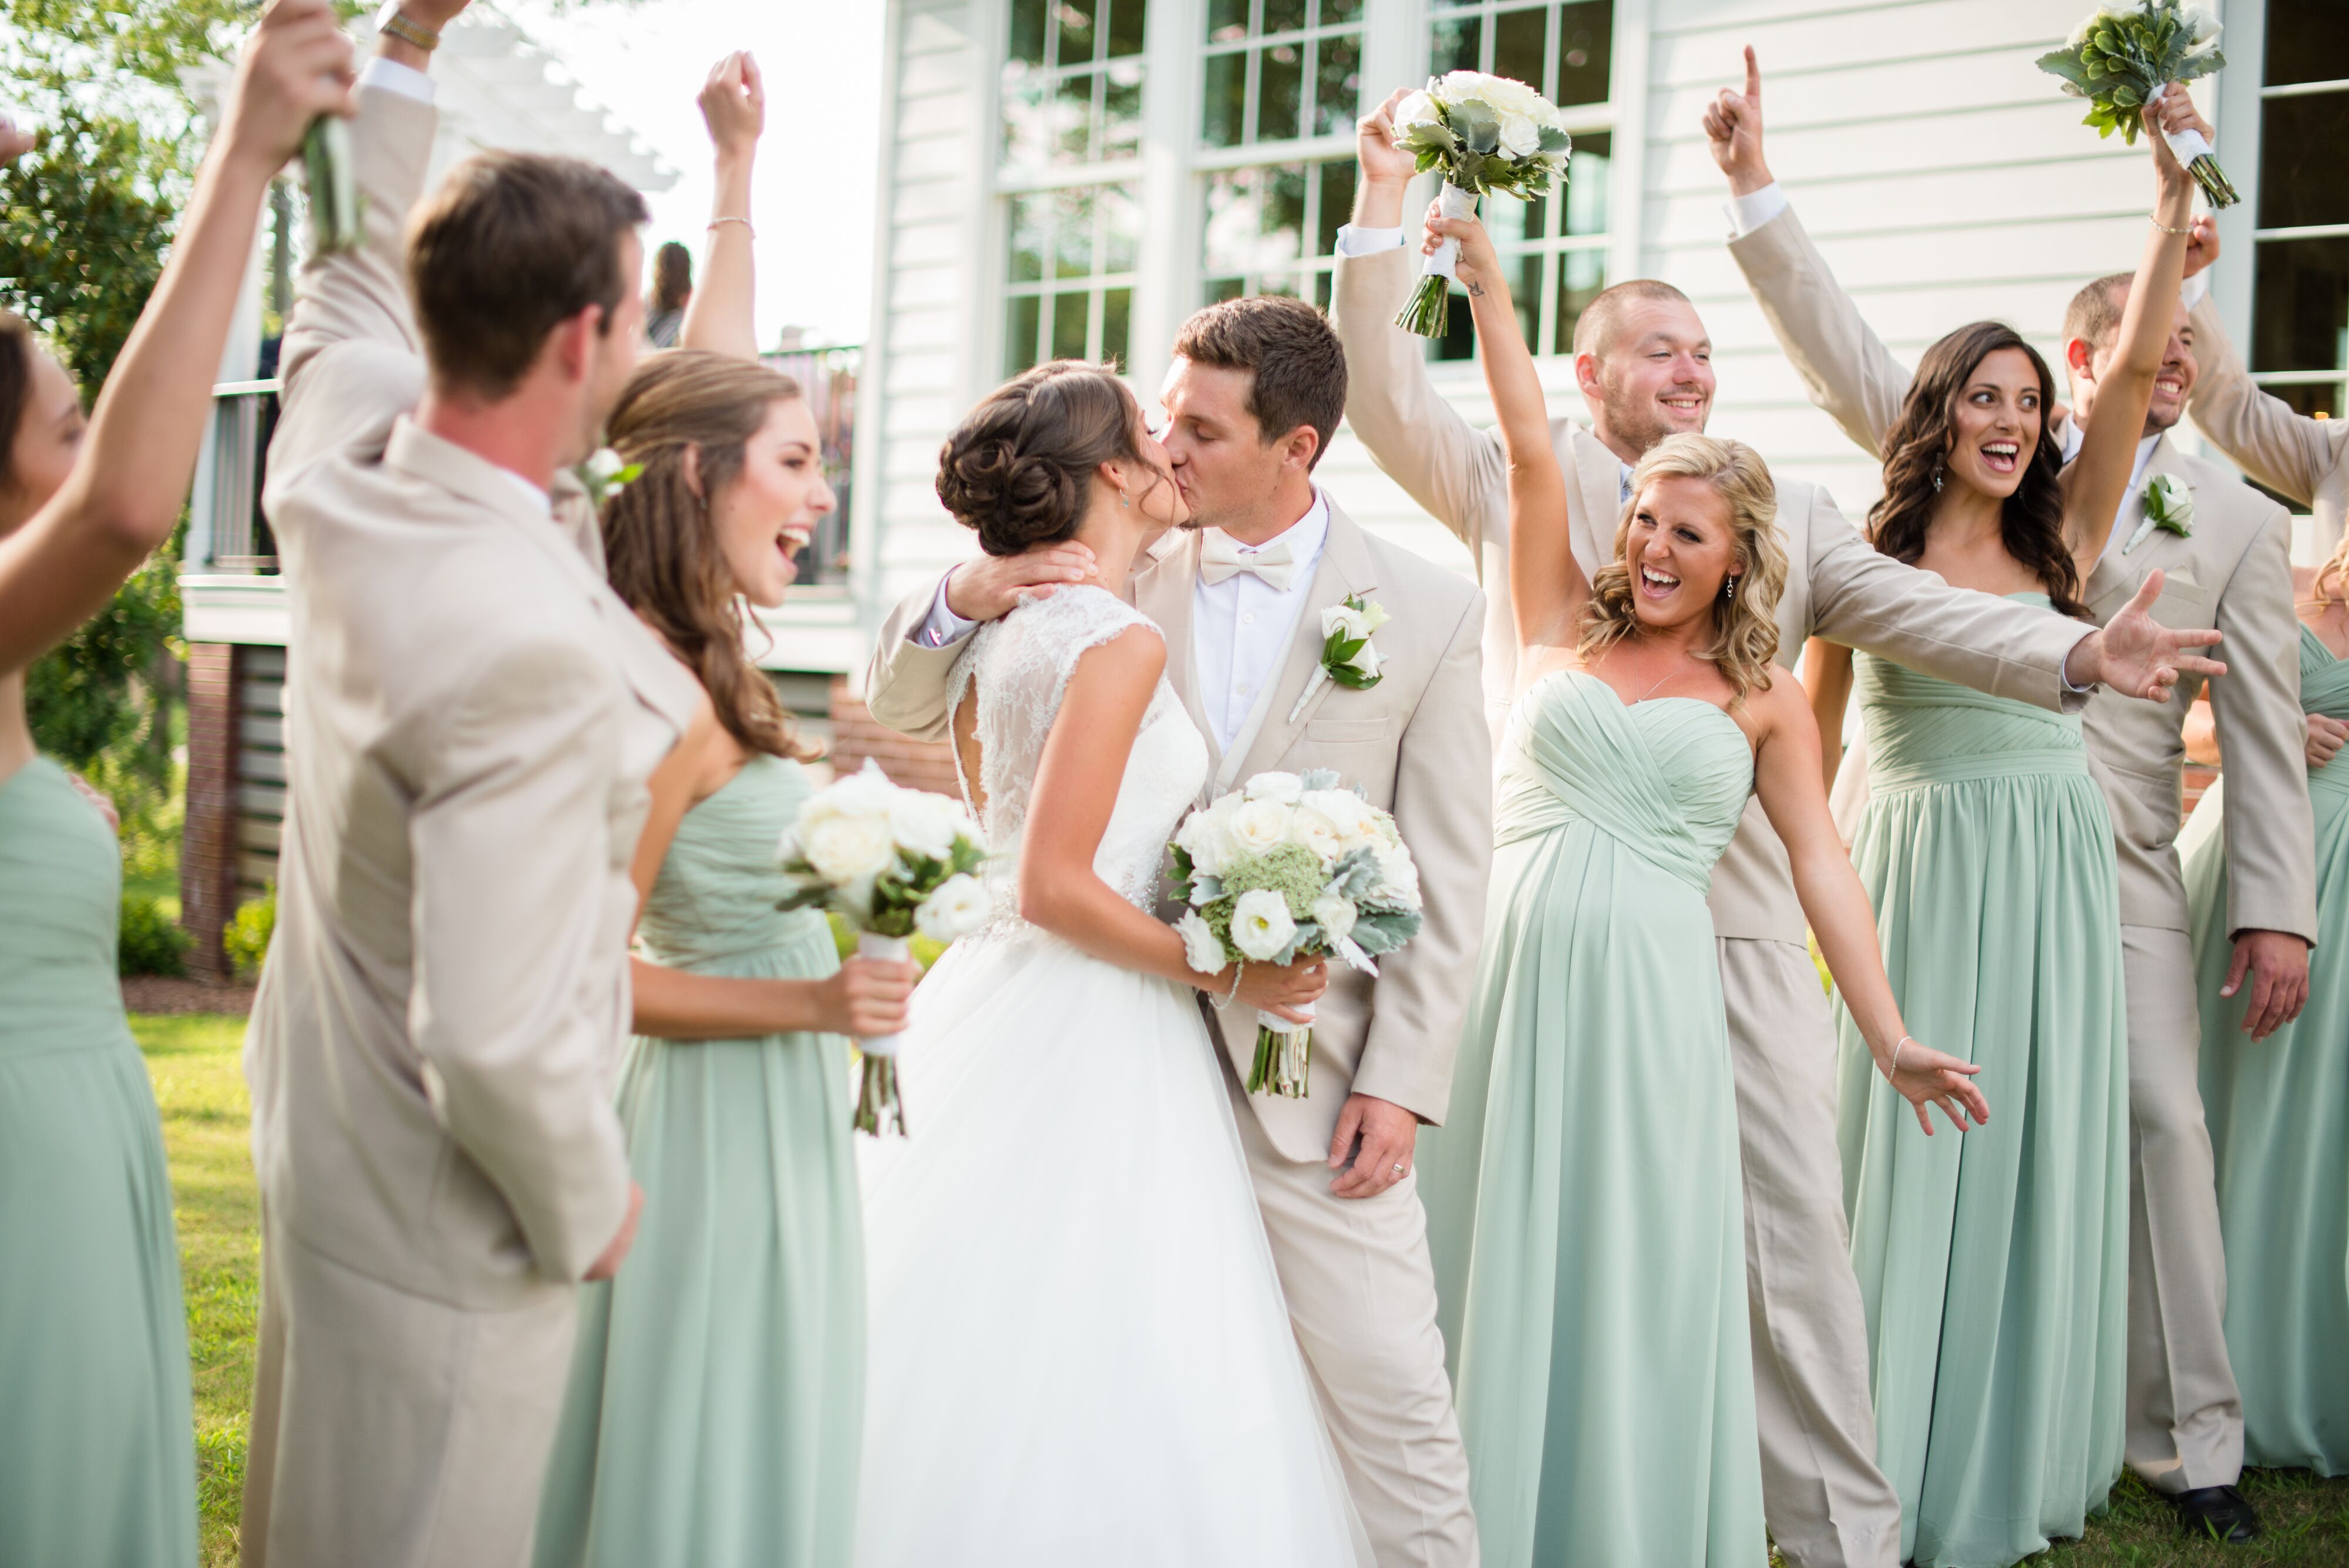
(986, 587)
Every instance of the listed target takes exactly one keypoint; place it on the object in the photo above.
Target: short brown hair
(511, 245)
(1602, 318)
(2095, 313)
(1298, 363)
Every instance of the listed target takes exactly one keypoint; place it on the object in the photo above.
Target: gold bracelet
(714, 222)
(2155, 221)
(393, 23)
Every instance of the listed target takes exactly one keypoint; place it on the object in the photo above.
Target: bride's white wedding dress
(1079, 1354)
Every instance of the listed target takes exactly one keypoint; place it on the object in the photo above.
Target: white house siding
(1944, 176)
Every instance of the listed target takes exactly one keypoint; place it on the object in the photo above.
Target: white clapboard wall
(1945, 178)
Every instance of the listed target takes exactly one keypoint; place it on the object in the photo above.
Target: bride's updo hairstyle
(1745, 624)
(1019, 469)
(661, 547)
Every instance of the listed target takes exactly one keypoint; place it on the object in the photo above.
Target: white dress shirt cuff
(2190, 292)
(393, 76)
(1356, 241)
(1753, 209)
(941, 627)
(2063, 672)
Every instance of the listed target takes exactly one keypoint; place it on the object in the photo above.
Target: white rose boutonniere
(1347, 656)
(2168, 507)
(605, 474)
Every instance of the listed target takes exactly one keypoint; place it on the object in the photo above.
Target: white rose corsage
(1347, 656)
(2168, 507)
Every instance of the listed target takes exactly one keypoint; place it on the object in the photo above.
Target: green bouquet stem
(1283, 1062)
(878, 1108)
(1428, 312)
(336, 207)
(2216, 186)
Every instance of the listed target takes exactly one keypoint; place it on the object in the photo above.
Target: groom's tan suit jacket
(2233, 572)
(471, 716)
(1417, 744)
(1835, 584)
(2275, 443)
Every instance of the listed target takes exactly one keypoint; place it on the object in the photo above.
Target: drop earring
(1729, 589)
(1937, 476)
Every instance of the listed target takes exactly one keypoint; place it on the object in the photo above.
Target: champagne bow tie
(1220, 556)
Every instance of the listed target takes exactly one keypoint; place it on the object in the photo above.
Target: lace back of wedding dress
(1016, 670)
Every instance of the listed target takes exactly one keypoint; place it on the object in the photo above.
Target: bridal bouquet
(1485, 133)
(2123, 56)
(890, 861)
(1292, 866)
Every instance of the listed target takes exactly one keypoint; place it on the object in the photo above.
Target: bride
(1079, 1353)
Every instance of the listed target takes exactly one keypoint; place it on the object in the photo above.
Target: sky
(812, 199)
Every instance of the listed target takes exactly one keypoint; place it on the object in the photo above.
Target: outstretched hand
(1929, 1077)
(1733, 131)
(2137, 656)
(734, 105)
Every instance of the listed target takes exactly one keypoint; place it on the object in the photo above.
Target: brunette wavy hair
(1745, 624)
(660, 548)
(2030, 521)
(1019, 469)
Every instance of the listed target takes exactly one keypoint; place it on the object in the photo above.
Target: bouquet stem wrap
(328, 171)
(2196, 154)
(1284, 1055)
(877, 1096)
(1429, 311)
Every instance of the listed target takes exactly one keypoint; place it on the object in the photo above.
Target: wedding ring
(1398, 1171)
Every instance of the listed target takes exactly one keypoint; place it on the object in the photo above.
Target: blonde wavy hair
(2334, 571)
(1745, 625)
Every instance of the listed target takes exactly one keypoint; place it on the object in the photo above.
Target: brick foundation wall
(208, 848)
(857, 736)
(2199, 779)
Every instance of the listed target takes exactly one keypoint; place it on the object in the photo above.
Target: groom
(1256, 391)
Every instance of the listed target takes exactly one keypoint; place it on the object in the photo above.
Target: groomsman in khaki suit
(1257, 389)
(2230, 572)
(473, 715)
(1643, 361)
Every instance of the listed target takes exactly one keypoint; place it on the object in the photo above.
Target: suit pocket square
(1343, 732)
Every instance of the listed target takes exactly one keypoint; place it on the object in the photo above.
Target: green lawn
(201, 1089)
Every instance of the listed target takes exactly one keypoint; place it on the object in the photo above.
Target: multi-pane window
(1272, 228)
(2300, 310)
(1070, 282)
(1280, 70)
(1072, 99)
(1555, 248)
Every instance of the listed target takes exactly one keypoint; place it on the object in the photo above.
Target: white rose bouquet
(2122, 57)
(890, 861)
(1292, 866)
(1485, 133)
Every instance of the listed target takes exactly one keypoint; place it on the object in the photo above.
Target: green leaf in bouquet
(1553, 139)
(1477, 126)
(1318, 778)
(2065, 64)
(2125, 97)
(1382, 932)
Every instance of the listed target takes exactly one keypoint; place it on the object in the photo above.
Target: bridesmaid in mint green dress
(2278, 1108)
(97, 1466)
(1584, 1198)
(1994, 1273)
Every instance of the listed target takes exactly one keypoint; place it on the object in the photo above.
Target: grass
(199, 1086)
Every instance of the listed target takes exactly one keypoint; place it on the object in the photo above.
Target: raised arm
(1786, 777)
(1453, 471)
(2268, 438)
(1847, 370)
(723, 315)
(2097, 479)
(124, 494)
(1546, 585)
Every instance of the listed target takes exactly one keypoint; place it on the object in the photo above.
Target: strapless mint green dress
(1583, 1195)
(714, 1413)
(1993, 1263)
(97, 1458)
(2278, 1111)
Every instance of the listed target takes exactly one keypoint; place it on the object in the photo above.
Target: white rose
(1207, 837)
(1259, 825)
(1260, 924)
(1334, 915)
(1202, 948)
(868, 793)
(1357, 820)
(958, 907)
(1416, 109)
(1317, 832)
(843, 848)
(1366, 660)
(922, 824)
(1346, 619)
(1283, 788)
(1374, 614)
(1520, 137)
(1398, 881)
(2201, 25)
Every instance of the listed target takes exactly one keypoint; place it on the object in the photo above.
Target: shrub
(148, 941)
(246, 937)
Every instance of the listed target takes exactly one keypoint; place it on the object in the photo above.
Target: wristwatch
(393, 21)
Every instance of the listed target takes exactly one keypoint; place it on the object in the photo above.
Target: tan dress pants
(1827, 1504)
(2184, 1416)
(392, 1430)
(1361, 1297)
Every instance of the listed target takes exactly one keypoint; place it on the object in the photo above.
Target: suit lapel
(1594, 490)
(1344, 569)
(1163, 590)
